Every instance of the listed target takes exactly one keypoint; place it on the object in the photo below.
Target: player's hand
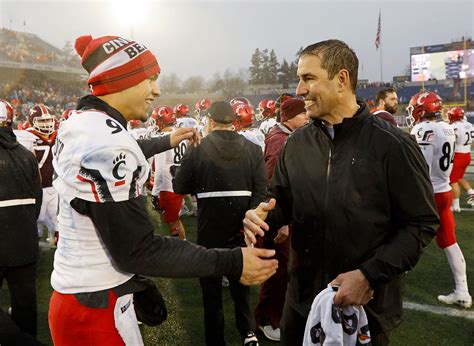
(283, 233)
(354, 289)
(183, 133)
(254, 221)
(257, 266)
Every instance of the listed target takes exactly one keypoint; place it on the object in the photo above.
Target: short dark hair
(335, 55)
(382, 94)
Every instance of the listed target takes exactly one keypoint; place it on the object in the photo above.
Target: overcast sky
(203, 37)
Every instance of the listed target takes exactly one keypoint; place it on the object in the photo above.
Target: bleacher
(27, 51)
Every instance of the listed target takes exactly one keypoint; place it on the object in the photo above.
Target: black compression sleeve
(128, 235)
(153, 146)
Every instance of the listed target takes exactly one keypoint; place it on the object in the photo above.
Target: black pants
(213, 313)
(292, 327)
(21, 282)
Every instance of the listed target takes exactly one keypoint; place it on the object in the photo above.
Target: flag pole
(381, 45)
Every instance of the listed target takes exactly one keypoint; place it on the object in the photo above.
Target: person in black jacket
(20, 205)
(227, 175)
(357, 194)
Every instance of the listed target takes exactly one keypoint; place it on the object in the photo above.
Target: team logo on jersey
(317, 334)
(118, 162)
(426, 136)
(349, 323)
(363, 337)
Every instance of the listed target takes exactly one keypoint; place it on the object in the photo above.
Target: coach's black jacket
(21, 194)
(363, 200)
(225, 163)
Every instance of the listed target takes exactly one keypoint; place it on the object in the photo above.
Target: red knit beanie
(114, 63)
(291, 108)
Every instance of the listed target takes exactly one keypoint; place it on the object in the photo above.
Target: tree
(232, 85)
(170, 84)
(256, 67)
(68, 50)
(273, 67)
(265, 67)
(284, 75)
(193, 84)
(215, 84)
(293, 72)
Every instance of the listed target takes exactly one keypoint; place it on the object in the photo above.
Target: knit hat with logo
(115, 63)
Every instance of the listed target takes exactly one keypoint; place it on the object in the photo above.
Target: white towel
(329, 325)
(126, 321)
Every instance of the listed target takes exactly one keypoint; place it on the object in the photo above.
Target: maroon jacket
(273, 144)
(385, 116)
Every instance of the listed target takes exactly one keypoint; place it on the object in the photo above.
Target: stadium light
(129, 13)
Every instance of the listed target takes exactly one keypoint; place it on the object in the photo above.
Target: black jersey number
(179, 153)
(447, 156)
(469, 136)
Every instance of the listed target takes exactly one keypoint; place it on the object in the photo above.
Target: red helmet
(163, 116)
(240, 100)
(244, 115)
(455, 114)
(181, 110)
(201, 105)
(134, 124)
(6, 113)
(41, 118)
(266, 109)
(65, 115)
(425, 102)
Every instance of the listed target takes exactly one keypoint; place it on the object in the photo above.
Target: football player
(136, 128)
(436, 140)
(42, 127)
(165, 163)
(244, 119)
(266, 114)
(462, 155)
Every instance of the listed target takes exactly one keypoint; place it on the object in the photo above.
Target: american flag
(379, 29)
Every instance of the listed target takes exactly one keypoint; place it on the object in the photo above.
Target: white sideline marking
(439, 310)
(467, 209)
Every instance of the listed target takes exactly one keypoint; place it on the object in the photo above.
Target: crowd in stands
(56, 94)
(27, 48)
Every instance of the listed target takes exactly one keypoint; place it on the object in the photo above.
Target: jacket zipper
(328, 171)
(326, 226)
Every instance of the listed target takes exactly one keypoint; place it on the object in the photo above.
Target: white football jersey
(139, 133)
(96, 159)
(437, 141)
(187, 122)
(165, 166)
(266, 125)
(464, 132)
(255, 136)
(26, 138)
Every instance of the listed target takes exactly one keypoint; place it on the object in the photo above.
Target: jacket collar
(348, 123)
(93, 102)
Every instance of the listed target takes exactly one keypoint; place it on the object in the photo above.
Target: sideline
(466, 313)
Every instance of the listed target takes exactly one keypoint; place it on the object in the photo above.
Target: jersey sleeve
(426, 138)
(109, 174)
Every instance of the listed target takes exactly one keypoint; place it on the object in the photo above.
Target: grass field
(185, 327)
